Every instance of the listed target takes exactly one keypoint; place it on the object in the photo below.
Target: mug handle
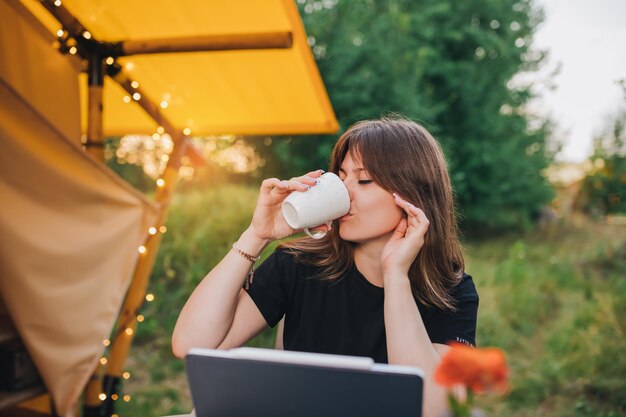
(319, 234)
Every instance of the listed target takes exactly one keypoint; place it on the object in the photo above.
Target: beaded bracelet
(250, 258)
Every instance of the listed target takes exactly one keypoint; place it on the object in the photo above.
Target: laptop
(252, 382)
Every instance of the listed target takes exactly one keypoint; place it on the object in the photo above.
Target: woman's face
(373, 212)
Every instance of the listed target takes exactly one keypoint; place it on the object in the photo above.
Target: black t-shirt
(346, 316)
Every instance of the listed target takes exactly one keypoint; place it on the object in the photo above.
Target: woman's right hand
(268, 222)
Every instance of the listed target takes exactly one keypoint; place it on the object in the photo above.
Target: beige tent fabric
(40, 74)
(69, 228)
(69, 236)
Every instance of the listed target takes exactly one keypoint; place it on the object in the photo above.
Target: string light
(187, 131)
(140, 318)
(57, 3)
(129, 331)
(114, 415)
(134, 84)
(156, 136)
(127, 398)
(164, 104)
(126, 375)
(60, 32)
(114, 397)
(102, 396)
(86, 35)
(129, 66)
(103, 361)
(152, 230)
(106, 342)
(162, 229)
(141, 249)
(165, 158)
(149, 297)
(110, 60)
(73, 50)
(136, 96)
(160, 130)
(126, 99)
(160, 182)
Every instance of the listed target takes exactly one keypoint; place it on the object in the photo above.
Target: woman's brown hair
(402, 157)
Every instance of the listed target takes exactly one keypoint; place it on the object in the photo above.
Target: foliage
(133, 173)
(448, 65)
(604, 190)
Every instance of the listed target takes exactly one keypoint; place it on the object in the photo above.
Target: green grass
(553, 299)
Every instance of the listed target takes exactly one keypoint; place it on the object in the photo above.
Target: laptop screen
(249, 382)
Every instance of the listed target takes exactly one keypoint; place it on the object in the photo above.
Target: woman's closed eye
(363, 182)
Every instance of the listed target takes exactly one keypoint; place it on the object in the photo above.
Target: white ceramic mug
(321, 204)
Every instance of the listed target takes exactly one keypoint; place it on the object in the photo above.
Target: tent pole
(95, 74)
(108, 387)
(127, 321)
(269, 40)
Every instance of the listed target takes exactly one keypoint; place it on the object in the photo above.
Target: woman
(387, 281)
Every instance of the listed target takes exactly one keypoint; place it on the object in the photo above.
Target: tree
(604, 190)
(448, 65)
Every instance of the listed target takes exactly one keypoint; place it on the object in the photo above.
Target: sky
(588, 40)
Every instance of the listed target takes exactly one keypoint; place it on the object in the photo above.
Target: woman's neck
(367, 259)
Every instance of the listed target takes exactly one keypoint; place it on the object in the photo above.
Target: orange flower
(478, 369)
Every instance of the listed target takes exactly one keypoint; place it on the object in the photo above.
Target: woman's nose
(349, 186)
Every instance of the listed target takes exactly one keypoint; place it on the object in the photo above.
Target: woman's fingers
(320, 228)
(415, 217)
(271, 183)
(302, 183)
(309, 178)
(315, 174)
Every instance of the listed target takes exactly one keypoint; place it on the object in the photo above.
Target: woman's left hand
(407, 240)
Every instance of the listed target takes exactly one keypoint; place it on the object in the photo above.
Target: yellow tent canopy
(248, 92)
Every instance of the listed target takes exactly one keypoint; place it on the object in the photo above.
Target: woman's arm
(216, 303)
(218, 313)
(408, 342)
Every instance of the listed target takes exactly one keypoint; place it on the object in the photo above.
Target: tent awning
(249, 92)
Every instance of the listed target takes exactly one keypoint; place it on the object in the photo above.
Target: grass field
(553, 299)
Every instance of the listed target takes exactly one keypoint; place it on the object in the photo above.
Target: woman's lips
(345, 217)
